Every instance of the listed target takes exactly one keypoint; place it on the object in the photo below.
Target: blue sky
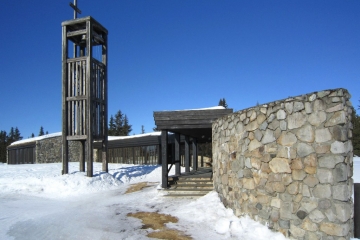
(179, 54)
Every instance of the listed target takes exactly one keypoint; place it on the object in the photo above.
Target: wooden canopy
(195, 123)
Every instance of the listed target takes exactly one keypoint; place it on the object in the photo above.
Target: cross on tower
(76, 9)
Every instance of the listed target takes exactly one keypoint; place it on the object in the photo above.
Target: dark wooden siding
(22, 154)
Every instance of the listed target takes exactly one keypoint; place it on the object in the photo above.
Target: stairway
(192, 185)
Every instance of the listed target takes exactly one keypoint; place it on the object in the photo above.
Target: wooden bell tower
(84, 89)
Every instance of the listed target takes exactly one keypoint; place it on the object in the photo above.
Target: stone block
(341, 172)
(289, 107)
(280, 165)
(330, 161)
(335, 108)
(286, 210)
(287, 139)
(330, 215)
(319, 105)
(274, 124)
(322, 148)
(338, 147)
(254, 144)
(252, 126)
(296, 120)
(324, 204)
(308, 204)
(304, 149)
(248, 183)
(268, 137)
(260, 118)
(343, 211)
(324, 175)
(278, 187)
(258, 135)
(293, 188)
(255, 163)
(298, 106)
(306, 134)
(297, 232)
(275, 202)
(322, 191)
(316, 216)
(274, 216)
(286, 152)
(337, 118)
(341, 192)
(340, 133)
(322, 135)
(334, 229)
(317, 118)
(298, 175)
(306, 191)
(285, 224)
(296, 164)
(286, 179)
(309, 225)
(283, 125)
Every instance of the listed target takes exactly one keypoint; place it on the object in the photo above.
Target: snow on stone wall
(288, 164)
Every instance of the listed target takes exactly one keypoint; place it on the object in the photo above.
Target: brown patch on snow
(157, 221)
(138, 186)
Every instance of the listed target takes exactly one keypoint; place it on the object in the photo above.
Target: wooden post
(164, 155)
(82, 156)
(65, 146)
(187, 154)
(195, 154)
(177, 154)
(357, 210)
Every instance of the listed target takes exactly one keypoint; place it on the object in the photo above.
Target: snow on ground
(37, 202)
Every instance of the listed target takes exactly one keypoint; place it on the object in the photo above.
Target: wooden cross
(76, 9)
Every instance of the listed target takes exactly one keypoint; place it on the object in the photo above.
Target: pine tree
(119, 126)
(32, 135)
(112, 127)
(41, 133)
(142, 129)
(222, 102)
(3, 144)
(356, 133)
(127, 127)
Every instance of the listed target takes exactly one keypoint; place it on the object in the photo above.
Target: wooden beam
(177, 154)
(164, 155)
(65, 150)
(195, 154)
(82, 156)
(357, 210)
(187, 154)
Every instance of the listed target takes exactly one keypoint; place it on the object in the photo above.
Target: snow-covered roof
(110, 138)
(197, 109)
(34, 139)
(58, 134)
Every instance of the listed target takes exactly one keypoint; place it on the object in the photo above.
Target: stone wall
(49, 150)
(288, 164)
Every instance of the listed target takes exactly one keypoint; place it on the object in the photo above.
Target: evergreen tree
(127, 127)
(6, 140)
(32, 135)
(112, 127)
(3, 145)
(41, 133)
(119, 126)
(222, 102)
(142, 129)
(356, 133)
